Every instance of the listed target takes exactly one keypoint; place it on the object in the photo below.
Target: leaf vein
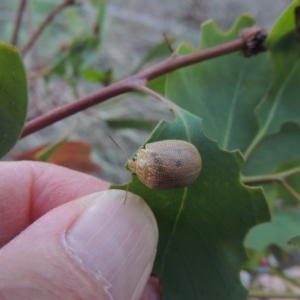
(233, 106)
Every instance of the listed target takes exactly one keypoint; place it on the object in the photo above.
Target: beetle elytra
(167, 164)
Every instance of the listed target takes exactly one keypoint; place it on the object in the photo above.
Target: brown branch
(128, 84)
(45, 22)
(21, 8)
(179, 61)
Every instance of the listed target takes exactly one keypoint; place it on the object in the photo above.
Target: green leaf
(277, 140)
(274, 150)
(127, 123)
(77, 56)
(202, 227)
(285, 224)
(13, 97)
(100, 5)
(158, 51)
(223, 91)
(281, 104)
(253, 259)
(97, 3)
(46, 153)
(293, 167)
(158, 84)
(277, 154)
(93, 75)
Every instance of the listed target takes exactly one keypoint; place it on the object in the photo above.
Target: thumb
(94, 247)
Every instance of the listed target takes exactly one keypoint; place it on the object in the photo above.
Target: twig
(287, 295)
(45, 22)
(141, 87)
(125, 85)
(283, 276)
(21, 8)
(290, 190)
(278, 177)
(261, 179)
(128, 84)
(168, 42)
(290, 172)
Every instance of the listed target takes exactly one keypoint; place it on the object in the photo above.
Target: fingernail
(115, 242)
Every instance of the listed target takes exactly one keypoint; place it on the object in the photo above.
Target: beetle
(167, 164)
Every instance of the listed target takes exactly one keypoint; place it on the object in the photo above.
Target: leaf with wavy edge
(202, 227)
(284, 225)
(281, 104)
(274, 150)
(223, 91)
(277, 140)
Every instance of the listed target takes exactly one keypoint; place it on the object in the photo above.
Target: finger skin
(152, 290)
(35, 265)
(28, 191)
(31, 189)
(94, 247)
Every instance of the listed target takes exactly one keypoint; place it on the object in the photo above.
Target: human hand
(65, 236)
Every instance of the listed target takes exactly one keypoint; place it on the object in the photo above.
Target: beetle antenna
(128, 159)
(126, 193)
(119, 147)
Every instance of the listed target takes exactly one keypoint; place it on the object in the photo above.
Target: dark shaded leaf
(202, 227)
(223, 91)
(13, 97)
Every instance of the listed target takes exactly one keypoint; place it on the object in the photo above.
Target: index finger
(28, 190)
